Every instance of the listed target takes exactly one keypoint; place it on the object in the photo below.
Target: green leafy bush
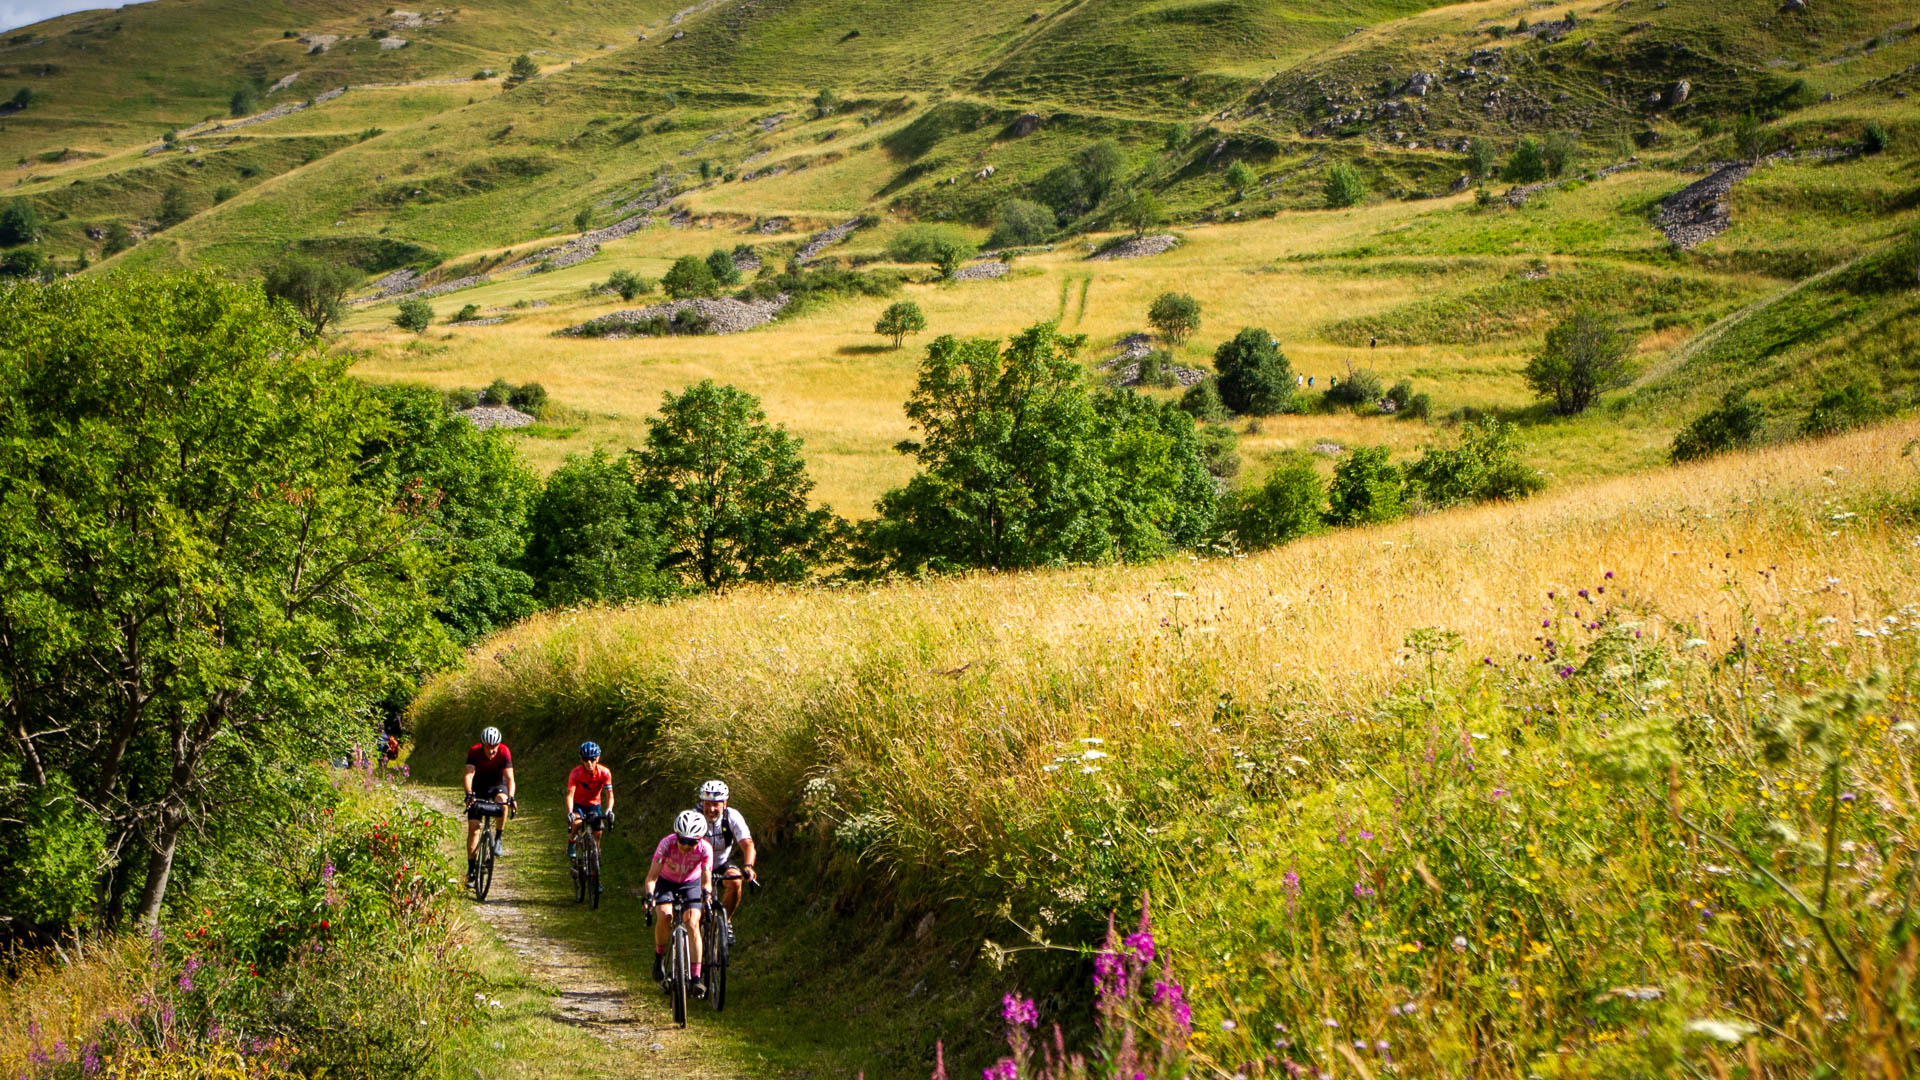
(414, 314)
(1359, 389)
(1584, 355)
(1344, 186)
(1020, 223)
(592, 538)
(20, 223)
(1255, 378)
(720, 264)
(244, 102)
(467, 313)
(1239, 177)
(1480, 158)
(628, 284)
(1482, 464)
(1559, 152)
(26, 262)
(690, 276)
(1874, 139)
(1175, 315)
(174, 207)
(1841, 409)
(1366, 489)
(1734, 423)
(1202, 401)
(1291, 503)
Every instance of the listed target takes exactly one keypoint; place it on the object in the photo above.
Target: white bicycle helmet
(490, 736)
(714, 789)
(690, 825)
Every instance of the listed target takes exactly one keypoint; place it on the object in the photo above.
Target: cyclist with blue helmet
(589, 795)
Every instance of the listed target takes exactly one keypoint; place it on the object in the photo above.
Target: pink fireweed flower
(1174, 997)
(1141, 944)
(1004, 1069)
(939, 1060)
(1109, 974)
(1019, 1011)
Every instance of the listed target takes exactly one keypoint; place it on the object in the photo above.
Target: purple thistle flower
(90, 1059)
(1019, 1011)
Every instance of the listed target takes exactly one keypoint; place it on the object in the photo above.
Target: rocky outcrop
(722, 316)
(497, 416)
(1138, 247)
(1699, 211)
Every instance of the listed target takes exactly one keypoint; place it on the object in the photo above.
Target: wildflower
(1093, 755)
(1004, 1069)
(1365, 835)
(1291, 880)
(1228, 1025)
(1361, 891)
(1609, 575)
(326, 872)
(1016, 1011)
(1141, 944)
(1331, 1022)
(1109, 974)
(1174, 997)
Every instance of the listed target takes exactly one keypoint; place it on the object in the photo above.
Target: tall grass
(1371, 769)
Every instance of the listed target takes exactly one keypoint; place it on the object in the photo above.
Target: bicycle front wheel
(483, 877)
(590, 883)
(682, 974)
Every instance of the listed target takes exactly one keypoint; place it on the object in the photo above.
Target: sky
(16, 13)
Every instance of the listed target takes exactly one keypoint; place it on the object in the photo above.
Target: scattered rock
(678, 34)
(772, 225)
(582, 247)
(1422, 82)
(1138, 248)
(1654, 100)
(319, 42)
(825, 238)
(984, 173)
(1794, 5)
(492, 321)
(1026, 124)
(981, 271)
(746, 262)
(285, 81)
(724, 316)
(1678, 94)
(393, 43)
(1699, 211)
(496, 416)
(1330, 449)
(1460, 183)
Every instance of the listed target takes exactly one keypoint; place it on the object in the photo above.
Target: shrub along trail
(594, 962)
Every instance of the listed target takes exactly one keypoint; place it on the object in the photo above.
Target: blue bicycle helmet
(589, 750)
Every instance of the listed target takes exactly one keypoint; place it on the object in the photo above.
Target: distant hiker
(1373, 342)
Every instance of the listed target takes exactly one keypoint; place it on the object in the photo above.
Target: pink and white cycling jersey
(682, 863)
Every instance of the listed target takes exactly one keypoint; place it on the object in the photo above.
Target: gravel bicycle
(584, 862)
(679, 967)
(490, 811)
(717, 945)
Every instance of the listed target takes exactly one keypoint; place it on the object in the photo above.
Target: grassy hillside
(1497, 764)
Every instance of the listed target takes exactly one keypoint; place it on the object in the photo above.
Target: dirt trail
(530, 895)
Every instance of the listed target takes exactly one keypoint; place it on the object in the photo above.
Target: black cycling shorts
(489, 804)
(591, 815)
(687, 892)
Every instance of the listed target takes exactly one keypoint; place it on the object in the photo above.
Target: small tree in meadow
(901, 318)
(628, 284)
(1239, 177)
(1558, 152)
(1366, 489)
(20, 223)
(1291, 503)
(524, 67)
(1584, 356)
(316, 288)
(174, 207)
(244, 102)
(1175, 315)
(1019, 223)
(1527, 165)
(1140, 210)
(1255, 378)
(1481, 157)
(690, 276)
(414, 314)
(720, 263)
(1344, 187)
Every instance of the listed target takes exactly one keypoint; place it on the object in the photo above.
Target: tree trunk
(159, 867)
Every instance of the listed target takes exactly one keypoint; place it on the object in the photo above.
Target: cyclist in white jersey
(726, 832)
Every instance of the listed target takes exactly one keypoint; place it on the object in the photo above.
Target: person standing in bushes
(682, 869)
(726, 829)
(490, 778)
(589, 795)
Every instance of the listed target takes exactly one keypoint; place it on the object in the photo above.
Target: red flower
(325, 925)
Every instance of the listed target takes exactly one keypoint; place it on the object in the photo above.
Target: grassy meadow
(1518, 789)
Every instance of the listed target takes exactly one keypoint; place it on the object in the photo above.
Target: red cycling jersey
(588, 783)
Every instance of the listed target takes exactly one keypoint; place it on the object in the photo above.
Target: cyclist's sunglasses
(684, 841)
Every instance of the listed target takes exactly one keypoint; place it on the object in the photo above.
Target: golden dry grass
(60, 998)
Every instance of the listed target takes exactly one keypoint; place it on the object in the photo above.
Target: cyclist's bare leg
(473, 838)
(692, 915)
(730, 895)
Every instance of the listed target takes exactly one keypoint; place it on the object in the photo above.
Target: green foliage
(825, 102)
(1528, 165)
(1020, 223)
(1841, 409)
(413, 313)
(467, 313)
(591, 538)
(1481, 157)
(524, 67)
(1751, 138)
(217, 518)
(720, 264)
(1176, 316)
(53, 849)
(1366, 489)
(20, 223)
(628, 284)
(1559, 152)
(1255, 378)
(731, 490)
(474, 494)
(1734, 423)
(175, 207)
(942, 245)
(1140, 210)
(1202, 401)
(26, 262)
(1358, 389)
(1019, 468)
(689, 277)
(1239, 177)
(1874, 138)
(224, 192)
(529, 398)
(119, 239)
(1584, 356)
(1156, 369)
(244, 102)
(315, 288)
(1065, 190)
(901, 318)
(1482, 464)
(1100, 166)
(1343, 186)
(1219, 447)
(22, 98)
(1289, 504)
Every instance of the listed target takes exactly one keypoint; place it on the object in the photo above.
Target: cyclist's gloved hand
(607, 817)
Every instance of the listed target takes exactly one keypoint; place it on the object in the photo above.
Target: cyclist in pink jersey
(682, 869)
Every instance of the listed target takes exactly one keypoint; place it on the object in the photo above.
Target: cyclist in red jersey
(489, 780)
(589, 795)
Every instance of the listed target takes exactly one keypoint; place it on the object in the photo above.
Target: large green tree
(316, 288)
(1019, 467)
(1255, 377)
(1584, 356)
(591, 538)
(199, 581)
(476, 494)
(731, 490)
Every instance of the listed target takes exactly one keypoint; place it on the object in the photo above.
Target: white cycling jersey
(723, 832)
